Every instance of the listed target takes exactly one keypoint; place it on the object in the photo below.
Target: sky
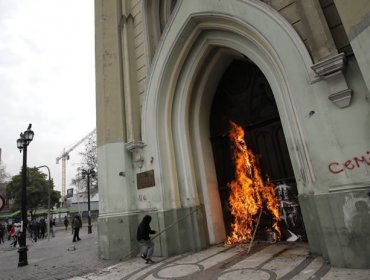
(47, 78)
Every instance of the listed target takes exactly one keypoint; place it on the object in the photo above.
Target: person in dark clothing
(8, 228)
(2, 232)
(34, 227)
(76, 224)
(52, 225)
(42, 228)
(142, 236)
(66, 222)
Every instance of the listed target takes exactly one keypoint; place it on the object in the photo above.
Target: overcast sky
(47, 78)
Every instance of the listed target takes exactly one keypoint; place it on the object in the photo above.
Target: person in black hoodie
(142, 236)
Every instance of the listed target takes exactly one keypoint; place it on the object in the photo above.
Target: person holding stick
(142, 236)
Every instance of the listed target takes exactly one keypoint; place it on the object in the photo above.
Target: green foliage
(38, 187)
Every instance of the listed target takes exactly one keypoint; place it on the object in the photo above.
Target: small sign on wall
(145, 179)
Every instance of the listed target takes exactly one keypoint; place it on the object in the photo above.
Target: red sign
(2, 203)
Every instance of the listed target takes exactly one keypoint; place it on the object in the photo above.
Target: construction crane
(64, 157)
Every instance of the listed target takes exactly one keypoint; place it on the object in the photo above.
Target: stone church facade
(170, 75)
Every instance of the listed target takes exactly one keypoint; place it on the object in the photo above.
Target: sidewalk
(54, 259)
(282, 261)
(51, 260)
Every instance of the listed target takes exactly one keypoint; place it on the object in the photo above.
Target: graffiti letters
(142, 197)
(350, 164)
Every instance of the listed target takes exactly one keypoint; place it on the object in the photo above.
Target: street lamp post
(22, 143)
(48, 224)
(88, 173)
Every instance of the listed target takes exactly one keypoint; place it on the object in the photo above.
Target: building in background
(78, 202)
(171, 75)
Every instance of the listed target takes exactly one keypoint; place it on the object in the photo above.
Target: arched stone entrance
(327, 146)
(180, 93)
(195, 51)
(244, 96)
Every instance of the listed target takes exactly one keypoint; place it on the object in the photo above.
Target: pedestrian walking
(76, 224)
(142, 236)
(13, 233)
(52, 227)
(8, 228)
(2, 233)
(42, 228)
(34, 228)
(66, 222)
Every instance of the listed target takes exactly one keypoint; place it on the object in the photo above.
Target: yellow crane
(64, 157)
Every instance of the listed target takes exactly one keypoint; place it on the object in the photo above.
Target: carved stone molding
(268, 2)
(331, 70)
(136, 147)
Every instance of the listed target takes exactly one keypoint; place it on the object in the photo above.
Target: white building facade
(167, 85)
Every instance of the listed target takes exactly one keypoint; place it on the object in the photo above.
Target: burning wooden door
(244, 97)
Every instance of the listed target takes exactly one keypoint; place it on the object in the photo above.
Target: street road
(54, 259)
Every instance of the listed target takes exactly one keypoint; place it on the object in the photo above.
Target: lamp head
(28, 134)
(25, 138)
(83, 173)
(20, 143)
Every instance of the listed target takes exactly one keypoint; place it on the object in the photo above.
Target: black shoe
(148, 261)
(74, 241)
(143, 256)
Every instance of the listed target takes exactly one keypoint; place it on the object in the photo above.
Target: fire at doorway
(249, 196)
(244, 96)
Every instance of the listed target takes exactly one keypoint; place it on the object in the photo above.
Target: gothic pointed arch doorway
(177, 109)
(244, 96)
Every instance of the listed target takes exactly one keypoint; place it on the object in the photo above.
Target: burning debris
(249, 195)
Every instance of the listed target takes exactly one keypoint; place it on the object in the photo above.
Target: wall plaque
(145, 179)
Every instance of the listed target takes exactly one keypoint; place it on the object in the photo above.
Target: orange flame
(248, 193)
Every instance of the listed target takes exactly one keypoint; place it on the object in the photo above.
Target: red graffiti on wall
(350, 164)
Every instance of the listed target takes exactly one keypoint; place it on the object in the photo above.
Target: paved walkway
(283, 261)
(56, 259)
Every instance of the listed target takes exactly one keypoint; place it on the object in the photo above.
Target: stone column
(320, 41)
(328, 64)
(355, 16)
(129, 73)
(115, 167)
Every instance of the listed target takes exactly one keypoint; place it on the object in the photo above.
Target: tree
(89, 161)
(4, 176)
(38, 187)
